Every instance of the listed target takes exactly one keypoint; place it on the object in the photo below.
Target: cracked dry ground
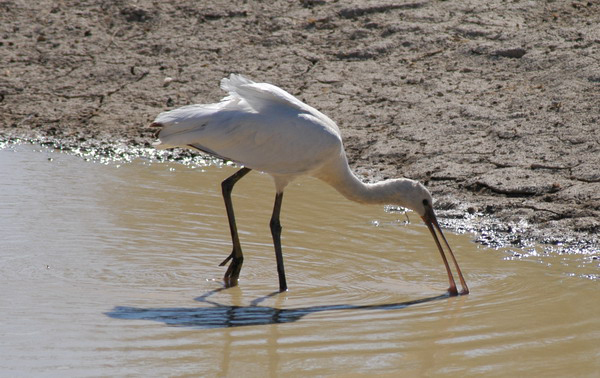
(495, 105)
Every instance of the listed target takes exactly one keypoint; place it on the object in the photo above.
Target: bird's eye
(425, 202)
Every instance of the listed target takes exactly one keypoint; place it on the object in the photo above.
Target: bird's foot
(230, 281)
(452, 291)
(233, 270)
(224, 262)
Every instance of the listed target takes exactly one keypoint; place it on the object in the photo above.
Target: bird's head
(413, 195)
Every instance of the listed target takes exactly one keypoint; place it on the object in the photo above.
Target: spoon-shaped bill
(432, 224)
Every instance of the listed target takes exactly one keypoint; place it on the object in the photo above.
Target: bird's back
(258, 125)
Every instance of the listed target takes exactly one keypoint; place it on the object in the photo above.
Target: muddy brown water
(111, 270)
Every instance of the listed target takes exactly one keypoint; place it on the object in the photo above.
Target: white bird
(263, 127)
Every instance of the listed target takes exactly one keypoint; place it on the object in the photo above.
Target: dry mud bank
(495, 105)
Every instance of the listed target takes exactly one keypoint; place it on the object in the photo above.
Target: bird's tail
(180, 127)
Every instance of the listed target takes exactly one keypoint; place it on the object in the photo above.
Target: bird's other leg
(237, 258)
(276, 232)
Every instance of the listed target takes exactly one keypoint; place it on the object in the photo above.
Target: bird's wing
(259, 95)
(259, 126)
(275, 142)
(262, 97)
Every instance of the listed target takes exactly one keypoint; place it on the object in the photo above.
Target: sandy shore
(494, 105)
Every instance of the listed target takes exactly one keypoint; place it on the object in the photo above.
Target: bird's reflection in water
(224, 316)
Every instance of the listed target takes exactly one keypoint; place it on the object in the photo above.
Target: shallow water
(111, 269)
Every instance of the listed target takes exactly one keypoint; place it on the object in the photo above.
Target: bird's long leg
(276, 232)
(237, 258)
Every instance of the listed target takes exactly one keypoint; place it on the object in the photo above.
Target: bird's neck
(350, 186)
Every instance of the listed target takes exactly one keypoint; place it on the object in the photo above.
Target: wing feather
(258, 125)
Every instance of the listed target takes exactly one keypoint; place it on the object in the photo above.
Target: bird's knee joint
(226, 186)
(275, 225)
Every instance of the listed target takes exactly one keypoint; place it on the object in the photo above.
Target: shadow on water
(225, 316)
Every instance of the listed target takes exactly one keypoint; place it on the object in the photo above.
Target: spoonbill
(263, 127)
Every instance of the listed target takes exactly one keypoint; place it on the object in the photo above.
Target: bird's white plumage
(258, 125)
(265, 128)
